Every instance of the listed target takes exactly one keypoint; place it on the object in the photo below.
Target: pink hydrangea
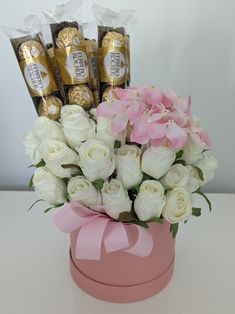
(157, 117)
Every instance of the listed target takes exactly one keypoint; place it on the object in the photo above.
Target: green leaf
(98, 183)
(205, 197)
(30, 184)
(146, 177)
(67, 196)
(200, 173)
(117, 144)
(179, 154)
(136, 188)
(205, 150)
(140, 223)
(68, 166)
(38, 165)
(127, 216)
(52, 207)
(196, 211)
(174, 229)
(157, 219)
(41, 200)
(180, 161)
(130, 217)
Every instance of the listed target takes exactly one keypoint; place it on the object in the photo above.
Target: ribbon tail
(144, 243)
(89, 241)
(115, 237)
(72, 216)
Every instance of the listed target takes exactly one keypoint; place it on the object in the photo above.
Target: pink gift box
(122, 277)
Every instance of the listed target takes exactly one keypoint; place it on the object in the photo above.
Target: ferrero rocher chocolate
(38, 71)
(91, 46)
(93, 55)
(51, 52)
(113, 58)
(80, 95)
(93, 62)
(50, 107)
(109, 94)
(69, 36)
(71, 56)
(30, 49)
(113, 39)
(128, 74)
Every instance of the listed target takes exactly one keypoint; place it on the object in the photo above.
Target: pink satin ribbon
(97, 228)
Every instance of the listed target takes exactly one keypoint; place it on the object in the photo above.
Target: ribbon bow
(97, 228)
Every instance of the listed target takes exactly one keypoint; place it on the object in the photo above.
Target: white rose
(104, 132)
(208, 165)
(77, 126)
(194, 180)
(83, 191)
(156, 161)
(192, 151)
(150, 200)
(97, 161)
(49, 187)
(178, 206)
(31, 148)
(128, 165)
(44, 128)
(55, 154)
(176, 177)
(116, 198)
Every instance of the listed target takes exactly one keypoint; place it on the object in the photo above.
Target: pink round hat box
(122, 277)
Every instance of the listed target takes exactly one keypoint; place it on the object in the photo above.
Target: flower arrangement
(136, 158)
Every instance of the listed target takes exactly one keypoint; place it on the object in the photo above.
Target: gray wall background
(185, 45)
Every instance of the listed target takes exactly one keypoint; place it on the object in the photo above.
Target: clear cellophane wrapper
(70, 53)
(114, 48)
(36, 67)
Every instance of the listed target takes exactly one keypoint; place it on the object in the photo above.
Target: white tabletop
(34, 269)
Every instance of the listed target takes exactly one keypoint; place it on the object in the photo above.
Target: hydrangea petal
(176, 135)
(119, 123)
(157, 131)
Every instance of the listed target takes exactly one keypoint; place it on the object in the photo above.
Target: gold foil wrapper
(113, 65)
(73, 65)
(127, 44)
(96, 97)
(80, 95)
(109, 94)
(50, 107)
(93, 61)
(39, 75)
(113, 59)
(30, 49)
(70, 36)
(51, 52)
(91, 47)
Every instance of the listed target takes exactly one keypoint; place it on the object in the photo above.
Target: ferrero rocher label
(73, 65)
(113, 65)
(39, 76)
